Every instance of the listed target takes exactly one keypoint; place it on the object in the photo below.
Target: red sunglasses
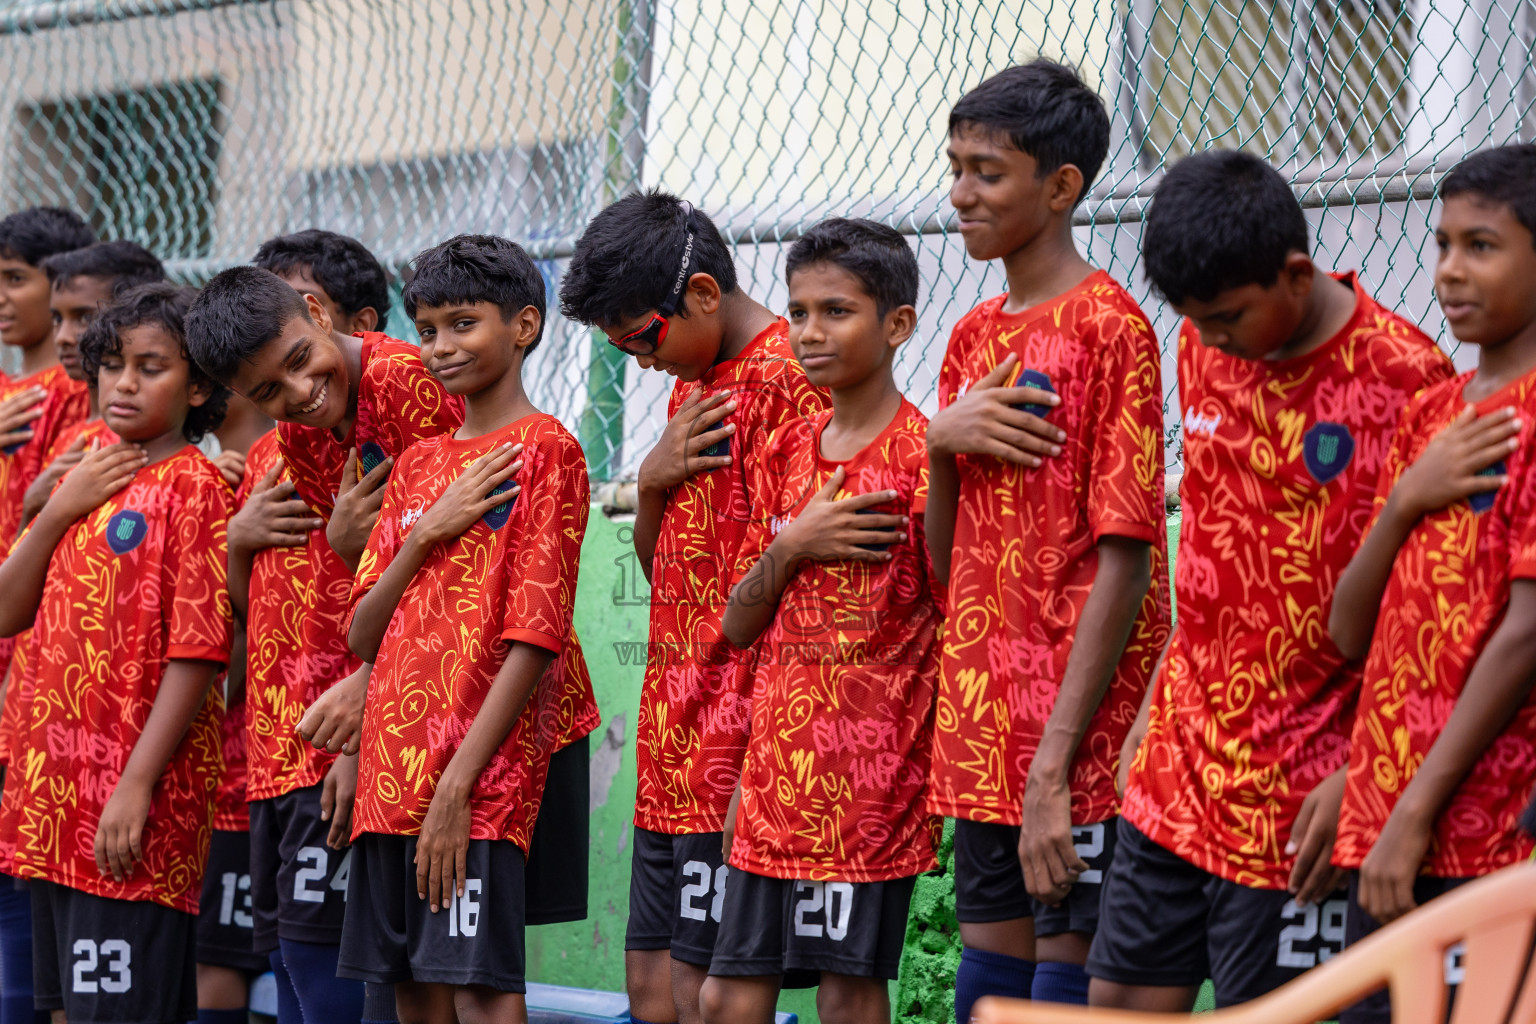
(649, 338)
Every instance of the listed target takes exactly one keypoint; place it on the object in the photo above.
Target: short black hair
(1044, 109)
(34, 234)
(627, 259)
(1504, 174)
(1220, 220)
(164, 305)
(874, 253)
(350, 274)
(121, 264)
(237, 314)
(477, 268)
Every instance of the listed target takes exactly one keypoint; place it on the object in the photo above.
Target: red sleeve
(1394, 462)
(385, 538)
(1125, 477)
(554, 502)
(1522, 525)
(409, 404)
(765, 478)
(916, 527)
(949, 369)
(196, 558)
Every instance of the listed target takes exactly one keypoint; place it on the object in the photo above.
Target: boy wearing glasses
(657, 278)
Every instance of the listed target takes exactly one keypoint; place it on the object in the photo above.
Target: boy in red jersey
(464, 600)
(227, 960)
(333, 396)
(1442, 592)
(27, 239)
(1045, 517)
(34, 408)
(829, 832)
(122, 577)
(83, 282)
(1290, 381)
(656, 277)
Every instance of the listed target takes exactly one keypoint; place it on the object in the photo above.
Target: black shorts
(1166, 922)
(557, 850)
(391, 936)
(224, 921)
(103, 961)
(989, 883)
(676, 889)
(779, 926)
(1376, 1008)
(298, 884)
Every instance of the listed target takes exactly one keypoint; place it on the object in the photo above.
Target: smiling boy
(340, 400)
(473, 563)
(1045, 519)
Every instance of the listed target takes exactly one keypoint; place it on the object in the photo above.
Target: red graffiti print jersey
(1025, 549)
(18, 692)
(299, 596)
(1447, 594)
(135, 584)
(398, 403)
(1253, 706)
(842, 697)
(65, 403)
(296, 646)
(510, 578)
(231, 813)
(695, 707)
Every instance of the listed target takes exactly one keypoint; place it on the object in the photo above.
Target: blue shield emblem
(1033, 379)
(370, 455)
(1483, 500)
(1327, 449)
(497, 517)
(12, 449)
(126, 531)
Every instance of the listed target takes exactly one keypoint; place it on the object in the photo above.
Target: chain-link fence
(201, 127)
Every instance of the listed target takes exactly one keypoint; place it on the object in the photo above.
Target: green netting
(200, 127)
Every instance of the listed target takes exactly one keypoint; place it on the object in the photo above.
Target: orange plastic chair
(1495, 917)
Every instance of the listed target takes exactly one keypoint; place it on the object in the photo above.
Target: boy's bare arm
(824, 531)
(1498, 685)
(99, 475)
(1046, 851)
(1447, 471)
(939, 518)
(121, 830)
(444, 842)
(679, 453)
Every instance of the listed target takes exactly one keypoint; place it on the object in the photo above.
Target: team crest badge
(1483, 500)
(370, 455)
(1327, 449)
(497, 517)
(1033, 379)
(126, 531)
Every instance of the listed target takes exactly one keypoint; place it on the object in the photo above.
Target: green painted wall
(611, 620)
